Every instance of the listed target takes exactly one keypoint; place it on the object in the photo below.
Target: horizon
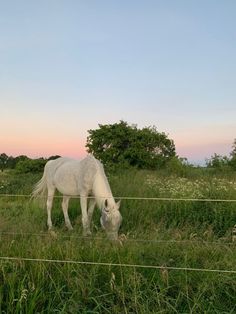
(83, 153)
(165, 64)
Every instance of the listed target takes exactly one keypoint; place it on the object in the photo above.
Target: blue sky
(67, 66)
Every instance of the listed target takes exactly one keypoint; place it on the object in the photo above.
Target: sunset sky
(68, 65)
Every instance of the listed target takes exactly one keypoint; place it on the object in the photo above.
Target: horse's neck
(102, 190)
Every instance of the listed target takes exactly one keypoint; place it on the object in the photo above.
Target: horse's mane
(101, 187)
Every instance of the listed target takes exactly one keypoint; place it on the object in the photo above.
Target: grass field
(170, 233)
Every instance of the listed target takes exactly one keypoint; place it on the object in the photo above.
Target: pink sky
(195, 145)
(37, 134)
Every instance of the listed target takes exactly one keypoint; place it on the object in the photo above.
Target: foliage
(23, 163)
(232, 161)
(121, 143)
(3, 161)
(53, 157)
(233, 153)
(31, 165)
(218, 162)
(178, 166)
(9, 162)
(225, 163)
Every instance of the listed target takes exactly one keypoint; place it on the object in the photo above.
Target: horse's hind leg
(51, 191)
(65, 203)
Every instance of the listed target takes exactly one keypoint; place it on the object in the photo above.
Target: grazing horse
(80, 178)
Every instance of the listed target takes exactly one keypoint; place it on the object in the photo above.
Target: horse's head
(111, 219)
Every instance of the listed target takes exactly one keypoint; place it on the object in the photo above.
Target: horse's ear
(118, 203)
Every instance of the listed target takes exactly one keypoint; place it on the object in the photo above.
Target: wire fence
(134, 198)
(123, 239)
(44, 260)
(160, 267)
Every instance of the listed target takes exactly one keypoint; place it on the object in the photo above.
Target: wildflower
(112, 281)
(23, 296)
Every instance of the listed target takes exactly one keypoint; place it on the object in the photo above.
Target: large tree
(123, 143)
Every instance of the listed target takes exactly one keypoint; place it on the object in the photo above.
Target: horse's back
(53, 165)
(70, 176)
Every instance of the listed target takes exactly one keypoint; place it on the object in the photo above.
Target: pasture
(170, 234)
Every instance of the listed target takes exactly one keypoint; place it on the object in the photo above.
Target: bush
(218, 162)
(123, 144)
(31, 165)
(178, 166)
(232, 162)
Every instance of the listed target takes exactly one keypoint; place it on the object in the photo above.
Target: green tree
(31, 165)
(217, 161)
(233, 153)
(3, 161)
(125, 144)
(11, 163)
(232, 161)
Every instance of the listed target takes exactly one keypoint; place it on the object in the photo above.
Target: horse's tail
(40, 188)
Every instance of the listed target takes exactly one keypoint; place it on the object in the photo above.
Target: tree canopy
(233, 156)
(23, 163)
(222, 162)
(126, 144)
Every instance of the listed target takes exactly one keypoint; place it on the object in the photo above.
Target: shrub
(31, 165)
(123, 144)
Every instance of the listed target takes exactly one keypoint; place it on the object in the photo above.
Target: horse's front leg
(85, 220)
(91, 207)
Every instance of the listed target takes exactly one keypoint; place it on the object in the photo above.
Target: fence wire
(123, 240)
(160, 267)
(44, 260)
(133, 198)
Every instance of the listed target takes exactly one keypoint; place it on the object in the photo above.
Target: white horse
(80, 178)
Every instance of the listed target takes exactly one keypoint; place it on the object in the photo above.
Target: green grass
(200, 235)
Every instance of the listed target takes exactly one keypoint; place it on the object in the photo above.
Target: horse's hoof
(52, 233)
(87, 233)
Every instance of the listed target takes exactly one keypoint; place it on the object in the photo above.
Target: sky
(67, 66)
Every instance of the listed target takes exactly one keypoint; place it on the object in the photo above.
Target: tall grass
(200, 235)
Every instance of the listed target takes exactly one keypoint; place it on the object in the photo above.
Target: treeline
(121, 146)
(23, 163)
(223, 162)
